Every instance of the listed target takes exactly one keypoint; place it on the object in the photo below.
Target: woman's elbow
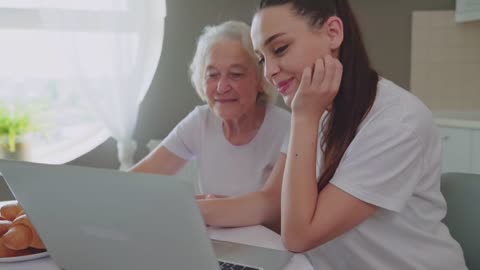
(295, 242)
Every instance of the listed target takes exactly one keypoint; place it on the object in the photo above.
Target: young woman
(361, 187)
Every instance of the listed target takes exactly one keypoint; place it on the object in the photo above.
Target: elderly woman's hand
(17, 235)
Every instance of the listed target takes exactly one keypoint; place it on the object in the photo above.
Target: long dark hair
(359, 80)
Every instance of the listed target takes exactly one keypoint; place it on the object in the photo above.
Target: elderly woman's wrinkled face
(231, 80)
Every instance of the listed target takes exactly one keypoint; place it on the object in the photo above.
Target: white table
(254, 235)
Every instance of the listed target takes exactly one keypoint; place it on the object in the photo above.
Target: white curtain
(115, 55)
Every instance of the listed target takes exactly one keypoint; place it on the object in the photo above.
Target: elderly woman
(236, 137)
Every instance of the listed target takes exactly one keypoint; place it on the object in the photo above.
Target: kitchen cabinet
(467, 11)
(461, 144)
(457, 149)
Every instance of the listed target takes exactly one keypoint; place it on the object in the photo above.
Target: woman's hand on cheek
(318, 88)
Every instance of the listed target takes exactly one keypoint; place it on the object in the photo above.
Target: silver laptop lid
(100, 219)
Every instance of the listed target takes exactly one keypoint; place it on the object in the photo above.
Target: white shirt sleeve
(382, 165)
(184, 139)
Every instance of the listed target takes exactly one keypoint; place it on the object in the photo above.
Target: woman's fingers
(318, 87)
(325, 86)
(306, 80)
(318, 73)
(324, 76)
(336, 81)
(331, 80)
(337, 77)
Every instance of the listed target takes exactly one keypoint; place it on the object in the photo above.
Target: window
(36, 68)
(65, 4)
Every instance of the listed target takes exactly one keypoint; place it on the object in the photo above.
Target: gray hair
(210, 36)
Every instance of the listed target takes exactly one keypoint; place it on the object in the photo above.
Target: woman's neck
(243, 129)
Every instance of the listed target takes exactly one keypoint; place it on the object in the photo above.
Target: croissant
(4, 226)
(35, 241)
(18, 237)
(10, 211)
(6, 252)
(17, 234)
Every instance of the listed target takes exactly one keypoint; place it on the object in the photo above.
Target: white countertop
(461, 119)
(254, 235)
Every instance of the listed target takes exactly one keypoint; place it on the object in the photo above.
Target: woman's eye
(237, 75)
(212, 75)
(280, 50)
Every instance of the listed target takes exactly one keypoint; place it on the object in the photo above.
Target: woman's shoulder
(201, 116)
(202, 112)
(400, 103)
(396, 107)
(201, 109)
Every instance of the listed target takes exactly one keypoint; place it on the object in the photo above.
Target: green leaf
(13, 125)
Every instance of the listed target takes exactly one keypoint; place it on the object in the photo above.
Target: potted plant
(14, 126)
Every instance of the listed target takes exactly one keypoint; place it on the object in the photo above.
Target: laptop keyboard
(234, 266)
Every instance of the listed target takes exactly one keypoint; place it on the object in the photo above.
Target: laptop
(99, 219)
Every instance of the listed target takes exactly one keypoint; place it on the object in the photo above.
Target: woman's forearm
(160, 161)
(250, 209)
(299, 192)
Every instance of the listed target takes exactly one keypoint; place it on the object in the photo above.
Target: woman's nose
(270, 69)
(223, 85)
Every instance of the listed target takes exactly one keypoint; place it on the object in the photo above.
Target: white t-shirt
(223, 168)
(394, 162)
